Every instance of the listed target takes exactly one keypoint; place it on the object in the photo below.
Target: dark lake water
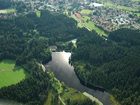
(7, 102)
(65, 73)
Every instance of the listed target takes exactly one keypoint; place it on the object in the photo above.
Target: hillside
(112, 64)
(25, 39)
(103, 42)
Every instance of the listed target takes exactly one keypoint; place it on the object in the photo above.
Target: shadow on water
(65, 73)
(7, 102)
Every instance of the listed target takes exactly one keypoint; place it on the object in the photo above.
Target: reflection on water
(65, 73)
(63, 56)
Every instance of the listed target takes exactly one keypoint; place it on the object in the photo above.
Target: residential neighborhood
(106, 17)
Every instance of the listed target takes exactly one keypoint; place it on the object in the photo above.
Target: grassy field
(110, 4)
(136, 0)
(85, 22)
(38, 13)
(9, 74)
(7, 11)
(121, 7)
(86, 11)
(138, 14)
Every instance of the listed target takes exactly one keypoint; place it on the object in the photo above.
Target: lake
(7, 102)
(65, 73)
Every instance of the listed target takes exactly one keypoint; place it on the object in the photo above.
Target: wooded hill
(26, 39)
(113, 64)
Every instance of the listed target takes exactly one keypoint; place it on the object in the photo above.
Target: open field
(86, 11)
(121, 7)
(85, 22)
(110, 4)
(7, 11)
(136, 0)
(9, 74)
(38, 13)
(138, 14)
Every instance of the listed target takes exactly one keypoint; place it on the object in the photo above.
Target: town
(90, 14)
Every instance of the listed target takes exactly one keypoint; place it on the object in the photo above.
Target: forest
(28, 49)
(26, 40)
(112, 64)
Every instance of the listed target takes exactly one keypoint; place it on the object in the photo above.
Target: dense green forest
(32, 91)
(26, 39)
(28, 48)
(112, 64)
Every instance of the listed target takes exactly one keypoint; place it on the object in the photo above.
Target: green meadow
(7, 11)
(86, 11)
(85, 22)
(136, 0)
(38, 13)
(10, 74)
(120, 7)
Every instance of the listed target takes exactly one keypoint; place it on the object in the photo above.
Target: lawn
(136, 0)
(110, 4)
(38, 13)
(121, 7)
(85, 22)
(138, 14)
(86, 11)
(9, 74)
(7, 11)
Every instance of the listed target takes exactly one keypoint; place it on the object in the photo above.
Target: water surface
(7, 102)
(65, 73)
